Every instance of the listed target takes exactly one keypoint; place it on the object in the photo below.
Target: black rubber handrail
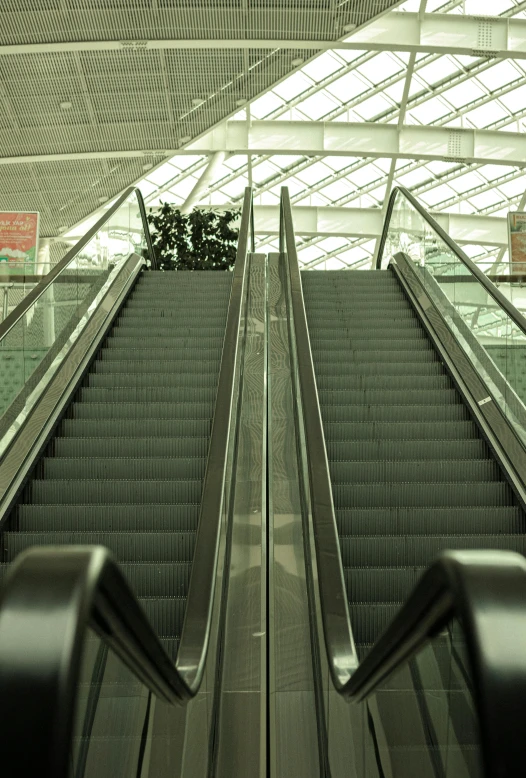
(51, 596)
(194, 638)
(29, 300)
(490, 287)
(341, 653)
(486, 592)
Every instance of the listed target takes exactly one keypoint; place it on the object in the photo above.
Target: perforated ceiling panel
(98, 89)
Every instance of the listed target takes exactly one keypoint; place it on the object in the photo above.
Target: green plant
(200, 240)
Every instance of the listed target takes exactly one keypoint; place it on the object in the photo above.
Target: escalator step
(152, 351)
(378, 368)
(415, 471)
(112, 517)
(146, 546)
(489, 519)
(363, 354)
(421, 494)
(417, 550)
(324, 349)
(154, 367)
(173, 380)
(394, 413)
(135, 428)
(166, 340)
(380, 584)
(140, 410)
(384, 430)
(146, 468)
(141, 394)
(403, 450)
(353, 382)
(165, 614)
(61, 491)
(166, 579)
(72, 446)
(408, 397)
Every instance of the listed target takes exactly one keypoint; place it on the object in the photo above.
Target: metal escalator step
(375, 355)
(370, 620)
(325, 349)
(111, 517)
(380, 584)
(403, 381)
(168, 352)
(129, 447)
(422, 494)
(62, 491)
(403, 430)
(174, 317)
(159, 468)
(200, 343)
(171, 646)
(375, 328)
(389, 367)
(133, 428)
(155, 366)
(360, 317)
(125, 379)
(427, 471)
(125, 328)
(390, 397)
(488, 519)
(141, 394)
(140, 410)
(394, 413)
(402, 450)
(161, 579)
(137, 546)
(417, 550)
(165, 614)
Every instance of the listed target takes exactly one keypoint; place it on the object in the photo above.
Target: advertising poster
(18, 242)
(517, 238)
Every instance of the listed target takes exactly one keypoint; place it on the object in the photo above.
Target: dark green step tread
(403, 449)
(417, 550)
(61, 491)
(403, 381)
(173, 380)
(143, 394)
(411, 397)
(430, 470)
(131, 428)
(130, 447)
(110, 517)
(422, 494)
(403, 430)
(333, 371)
(155, 468)
(127, 547)
(394, 413)
(140, 410)
(152, 351)
(153, 367)
(483, 519)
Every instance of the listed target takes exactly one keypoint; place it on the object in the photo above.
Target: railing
(466, 617)
(487, 323)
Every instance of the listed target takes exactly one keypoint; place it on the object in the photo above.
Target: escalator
(411, 475)
(125, 468)
(232, 504)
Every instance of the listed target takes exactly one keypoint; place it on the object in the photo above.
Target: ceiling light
(349, 27)
(241, 101)
(102, 199)
(66, 106)
(63, 228)
(297, 61)
(186, 139)
(147, 166)
(197, 101)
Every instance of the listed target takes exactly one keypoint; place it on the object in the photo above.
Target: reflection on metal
(294, 724)
(242, 734)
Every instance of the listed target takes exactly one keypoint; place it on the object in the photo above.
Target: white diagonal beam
(364, 139)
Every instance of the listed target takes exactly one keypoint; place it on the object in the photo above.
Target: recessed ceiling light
(197, 101)
(241, 101)
(349, 27)
(297, 61)
(66, 106)
(147, 166)
(102, 199)
(186, 138)
(63, 228)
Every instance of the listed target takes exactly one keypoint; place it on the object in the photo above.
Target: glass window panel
(380, 68)
(163, 174)
(464, 93)
(339, 163)
(513, 188)
(465, 183)
(265, 105)
(318, 105)
(438, 70)
(499, 75)
(515, 100)
(429, 111)
(184, 161)
(485, 199)
(347, 87)
(293, 86)
(322, 67)
(486, 115)
(314, 173)
(374, 106)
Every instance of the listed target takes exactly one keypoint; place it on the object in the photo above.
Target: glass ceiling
(367, 86)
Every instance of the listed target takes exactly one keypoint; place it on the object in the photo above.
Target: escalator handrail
(486, 592)
(49, 599)
(488, 285)
(340, 648)
(193, 646)
(29, 300)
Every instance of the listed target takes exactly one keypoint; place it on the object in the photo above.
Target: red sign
(18, 237)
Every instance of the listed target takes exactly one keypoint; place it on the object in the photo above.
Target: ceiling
(95, 92)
